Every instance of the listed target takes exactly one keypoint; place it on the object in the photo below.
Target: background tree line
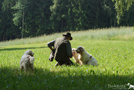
(29, 18)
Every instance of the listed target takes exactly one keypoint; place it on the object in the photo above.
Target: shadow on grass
(43, 79)
(7, 49)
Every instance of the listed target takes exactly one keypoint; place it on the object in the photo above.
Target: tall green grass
(107, 34)
(121, 33)
(111, 48)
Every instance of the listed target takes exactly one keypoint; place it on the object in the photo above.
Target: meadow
(112, 47)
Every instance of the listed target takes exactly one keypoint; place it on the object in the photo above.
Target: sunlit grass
(111, 47)
(121, 33)
(106, 34)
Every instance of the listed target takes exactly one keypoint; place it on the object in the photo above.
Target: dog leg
(21, 67)
(80, 62)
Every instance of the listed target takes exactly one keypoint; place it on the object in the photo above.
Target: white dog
(27, 61)
(75, 56)
(85, 57)
(130, 86)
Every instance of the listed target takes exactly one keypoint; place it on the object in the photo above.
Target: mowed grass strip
(115, 58)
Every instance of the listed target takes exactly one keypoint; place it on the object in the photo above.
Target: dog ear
(81, 49)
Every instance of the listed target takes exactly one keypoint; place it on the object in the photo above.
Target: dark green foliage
(127, 18)
(30, 18)
(121, 7)
(7, 29)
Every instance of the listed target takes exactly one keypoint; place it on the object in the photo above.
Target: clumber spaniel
(82, 57)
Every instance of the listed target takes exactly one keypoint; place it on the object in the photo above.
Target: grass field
(113, 48)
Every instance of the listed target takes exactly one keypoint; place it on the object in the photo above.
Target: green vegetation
(122, 7)
(30, 18)
(122, 33)
(113, 49)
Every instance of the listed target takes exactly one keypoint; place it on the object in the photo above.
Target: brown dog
(76, 56)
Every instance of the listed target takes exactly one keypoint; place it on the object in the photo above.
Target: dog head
(29, 52)
(74, 51)
(80, 49)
